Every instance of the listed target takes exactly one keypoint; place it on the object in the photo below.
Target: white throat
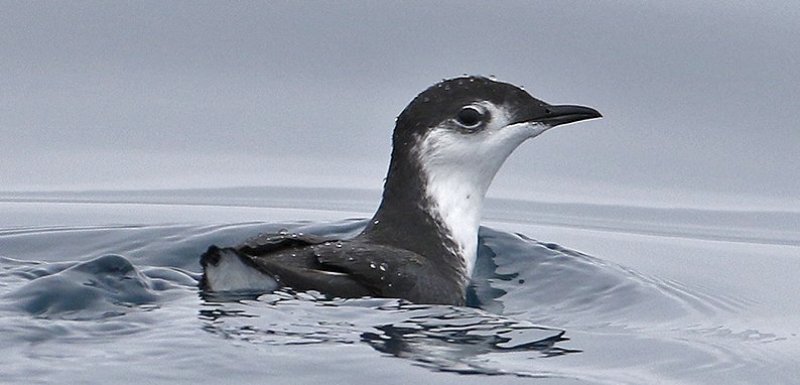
(458, 168)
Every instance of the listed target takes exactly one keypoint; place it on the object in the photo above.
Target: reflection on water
(536, 309)
(457, 342)
(443, 338)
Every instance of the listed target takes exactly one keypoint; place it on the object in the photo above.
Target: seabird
(421, 244)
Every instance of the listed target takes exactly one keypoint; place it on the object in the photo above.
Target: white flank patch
(231, 274)
(459, 168)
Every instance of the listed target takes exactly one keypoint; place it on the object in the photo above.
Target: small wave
(103, 287)
(558, 286)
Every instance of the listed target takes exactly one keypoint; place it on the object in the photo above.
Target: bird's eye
(470, 117)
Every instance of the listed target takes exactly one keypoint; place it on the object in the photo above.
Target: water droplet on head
(492, 77)
(372, 265)
(283, 231)
(383, 266)
(375, 222)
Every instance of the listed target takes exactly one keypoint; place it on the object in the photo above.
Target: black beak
(558, 115)
(537, 111)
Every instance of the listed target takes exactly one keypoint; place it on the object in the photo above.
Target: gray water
(100, 287)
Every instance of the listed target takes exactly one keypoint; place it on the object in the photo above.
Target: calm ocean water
(100, 287)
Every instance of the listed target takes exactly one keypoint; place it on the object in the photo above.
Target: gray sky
(700, 98)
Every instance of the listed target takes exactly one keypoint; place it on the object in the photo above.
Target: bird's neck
(456, 201)
(434, 212)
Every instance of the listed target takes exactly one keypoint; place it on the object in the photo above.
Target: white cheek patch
(459, 167)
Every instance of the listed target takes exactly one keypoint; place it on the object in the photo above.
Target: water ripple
(537, 309)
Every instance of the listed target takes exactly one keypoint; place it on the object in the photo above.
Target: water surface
(101, 287)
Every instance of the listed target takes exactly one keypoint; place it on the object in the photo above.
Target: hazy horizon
(699, 99)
